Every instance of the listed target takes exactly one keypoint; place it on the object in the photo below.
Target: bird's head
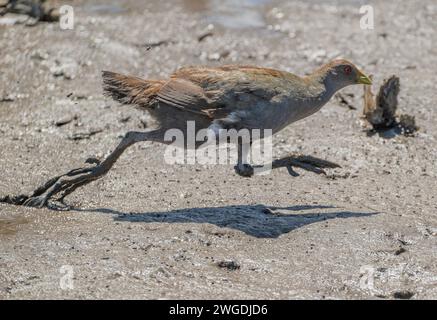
(341, 73)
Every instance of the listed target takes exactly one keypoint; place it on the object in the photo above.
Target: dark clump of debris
(228, 264)
(400, 251)
(404, 295)
(381, 113)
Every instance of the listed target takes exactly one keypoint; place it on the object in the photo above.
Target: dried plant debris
(205, 35)
(155, 44)
(381, 112)
(84, 134)
(36, 10)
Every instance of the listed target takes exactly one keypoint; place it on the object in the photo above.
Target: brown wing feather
(207, 91)
(183, 94)
(130, 90)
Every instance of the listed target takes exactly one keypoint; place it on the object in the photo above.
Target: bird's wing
(214, 91)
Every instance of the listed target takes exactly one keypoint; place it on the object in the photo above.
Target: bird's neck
(320, 91)
(305, 100)
(325, 79)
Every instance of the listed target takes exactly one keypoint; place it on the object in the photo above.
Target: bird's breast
(284, 114)
(275, 114)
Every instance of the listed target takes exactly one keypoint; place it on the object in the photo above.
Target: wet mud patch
(9, 225)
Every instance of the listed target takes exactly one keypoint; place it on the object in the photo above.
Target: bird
(215, 98)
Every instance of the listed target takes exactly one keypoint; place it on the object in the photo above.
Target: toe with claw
(64, 185)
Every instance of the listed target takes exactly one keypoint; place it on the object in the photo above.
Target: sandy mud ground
(151, 230)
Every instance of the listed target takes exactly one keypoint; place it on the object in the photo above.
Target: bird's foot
(307, 163)
(41, 201)
(35, 201)
(63, 185)
(244, 170)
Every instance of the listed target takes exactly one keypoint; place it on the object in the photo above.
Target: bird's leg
(290, 162)
(243, 168)
(76, 178)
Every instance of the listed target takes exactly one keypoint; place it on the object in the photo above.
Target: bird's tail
(130, 90)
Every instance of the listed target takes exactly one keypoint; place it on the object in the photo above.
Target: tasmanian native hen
(227, 97)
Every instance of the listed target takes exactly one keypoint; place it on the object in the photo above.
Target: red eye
(347, 69)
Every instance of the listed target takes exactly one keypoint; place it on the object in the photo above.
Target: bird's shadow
(259, 221)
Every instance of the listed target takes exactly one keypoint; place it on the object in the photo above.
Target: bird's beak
(363, 79)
